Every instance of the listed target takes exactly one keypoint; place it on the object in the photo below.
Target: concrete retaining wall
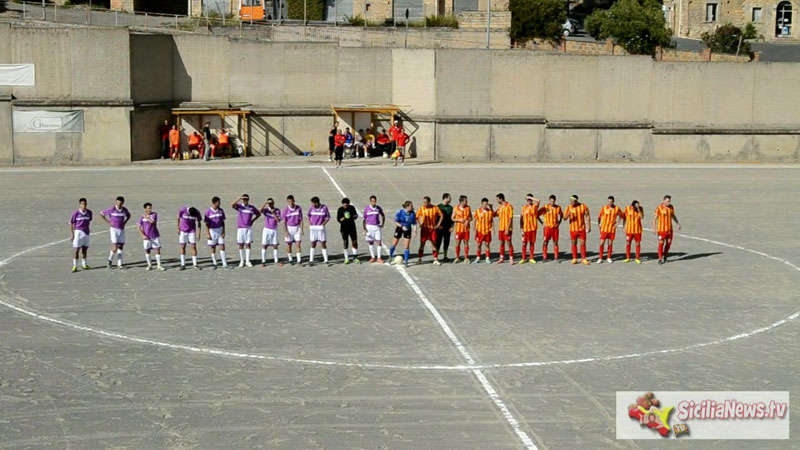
(467, 105)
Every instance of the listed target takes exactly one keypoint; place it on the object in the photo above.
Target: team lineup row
(435, 224)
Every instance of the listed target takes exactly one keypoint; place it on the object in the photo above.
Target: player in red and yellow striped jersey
(550, 215)
(484, 221)
(429, 217)
(662, 226)
(580, 223)
(462, 216)
(529, 224)
(607, 221)
(633, 229)
(505, 227)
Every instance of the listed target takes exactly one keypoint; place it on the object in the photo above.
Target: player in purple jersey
(189, 225)
(293, 226)
(318, 217)
(117, 217)
(244, 233)
(269, 237)
(215, 231)
(79, 233)
(151, 238)
(374, 219)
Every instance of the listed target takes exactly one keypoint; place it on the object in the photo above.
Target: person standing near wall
(384, 142)
(163, 132)
(332, 140)
(207, 137)
(174, 142)
(394, 132)
(446, 227)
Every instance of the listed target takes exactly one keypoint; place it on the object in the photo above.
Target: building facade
(774, 20)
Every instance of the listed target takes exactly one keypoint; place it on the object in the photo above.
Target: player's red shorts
(483, 238)
(427, 234)
(634, 237)
(550, 233)
(607, 235)
(664, 235)
(462, 236)
(504, 235)
(529, 236)
(578, 235)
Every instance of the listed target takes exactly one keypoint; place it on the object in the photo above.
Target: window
(251, 3)
(711, 12)
(756, 15)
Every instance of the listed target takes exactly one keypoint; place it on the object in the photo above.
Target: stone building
(774, 20)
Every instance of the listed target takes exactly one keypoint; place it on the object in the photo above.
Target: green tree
(637, 25)
(537, 19)
(315, 9)
(726, 39)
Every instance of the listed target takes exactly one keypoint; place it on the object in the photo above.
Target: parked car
(570, 26)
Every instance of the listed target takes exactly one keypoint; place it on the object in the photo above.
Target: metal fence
(281, 31)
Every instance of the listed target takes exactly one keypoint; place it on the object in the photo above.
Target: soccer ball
(398, 260)
(385, 155)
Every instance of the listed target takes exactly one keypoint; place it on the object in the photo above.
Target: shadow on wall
(181, 80)
(261, 128)
(412, 148)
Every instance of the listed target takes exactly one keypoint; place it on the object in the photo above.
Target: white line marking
(259, 165)
(512, 421)
(439, 367)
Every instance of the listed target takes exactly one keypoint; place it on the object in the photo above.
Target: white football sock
(214, 258)
(158, 259)
(119, 258)
(194, 260)
(311, 254)
(241, 254)
(346, 258)
(378, 249)
(247, 255)
(299, 257)
(83, 262)
(371, 251)
(275, 255)
(354, 252)
(325, 254)
(222, 257)
(111, 255)
(147, 258)
(74, 262)
(263, 255)
(183, 260)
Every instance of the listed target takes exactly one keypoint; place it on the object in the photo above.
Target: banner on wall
(17, 75)
(48, 121)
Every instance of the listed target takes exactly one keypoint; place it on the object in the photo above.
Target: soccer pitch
(382, 357)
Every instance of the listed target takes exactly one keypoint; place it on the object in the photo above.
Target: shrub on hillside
(315, 9)
(726, 39)
(537, 19)
(638, 26)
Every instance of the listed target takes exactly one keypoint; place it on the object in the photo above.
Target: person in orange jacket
(174, 142)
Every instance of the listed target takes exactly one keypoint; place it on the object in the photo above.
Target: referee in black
(446, 228)
(346, 215)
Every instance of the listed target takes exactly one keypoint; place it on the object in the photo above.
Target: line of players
(434, 223)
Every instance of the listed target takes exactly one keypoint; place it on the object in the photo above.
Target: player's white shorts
(117, 236)
(81, 239)
(244, 236)
(187, 237)
(269, 237)
(293, 235)
(216, 237)
(374, 234)
(316, 233)
(150, 244)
